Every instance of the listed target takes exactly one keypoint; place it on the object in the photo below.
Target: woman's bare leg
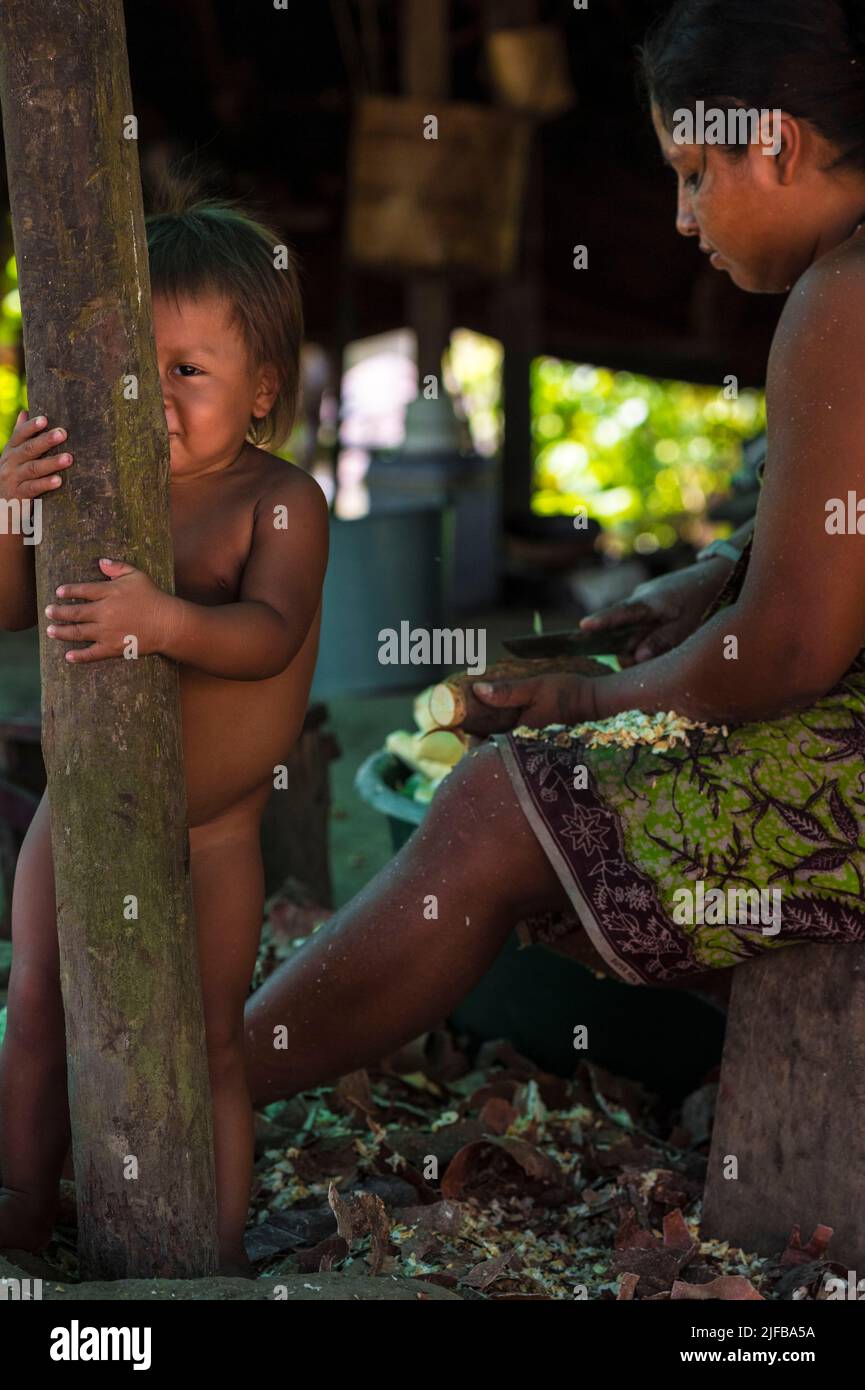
(397, 959)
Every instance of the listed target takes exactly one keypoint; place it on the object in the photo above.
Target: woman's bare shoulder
(832, 290)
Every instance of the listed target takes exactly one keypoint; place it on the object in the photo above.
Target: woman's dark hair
(805, 57)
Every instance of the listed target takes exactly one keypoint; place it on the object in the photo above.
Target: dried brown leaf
(676, 1233)
(483, 1274)
(474, 1165)
(340, 1209)
(627, 1285)
(799, 1254)
(497, 1115)
(732, 1288)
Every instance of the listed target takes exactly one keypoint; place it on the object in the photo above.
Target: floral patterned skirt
(699, 857)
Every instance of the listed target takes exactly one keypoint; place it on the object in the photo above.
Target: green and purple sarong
(776, 808)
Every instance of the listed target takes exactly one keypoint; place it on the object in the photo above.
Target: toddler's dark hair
(201, 245)
(806, 57)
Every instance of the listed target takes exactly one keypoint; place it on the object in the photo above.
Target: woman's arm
(668, 609)
(800, 618)
(731, 670)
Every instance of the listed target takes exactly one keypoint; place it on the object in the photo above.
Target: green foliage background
(644, 457)
(13, 394)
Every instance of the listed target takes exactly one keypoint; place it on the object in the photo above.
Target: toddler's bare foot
(25, 1223)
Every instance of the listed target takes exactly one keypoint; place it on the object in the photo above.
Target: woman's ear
(786, 149)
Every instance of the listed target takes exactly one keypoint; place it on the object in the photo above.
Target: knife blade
(608, 642)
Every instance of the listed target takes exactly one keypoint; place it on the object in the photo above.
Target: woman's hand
(130, 606)
(537, 701)
(670, 608)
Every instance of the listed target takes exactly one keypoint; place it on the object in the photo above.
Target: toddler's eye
(692, 182)
(186, 367)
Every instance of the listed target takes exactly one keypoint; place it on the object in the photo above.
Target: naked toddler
(250, 535)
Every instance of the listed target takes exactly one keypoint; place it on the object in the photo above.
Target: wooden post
(138, 1078)
(516, 308)
(791, 1104)
(425, 62)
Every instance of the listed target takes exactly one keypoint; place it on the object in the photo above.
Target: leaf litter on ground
(481, 1172)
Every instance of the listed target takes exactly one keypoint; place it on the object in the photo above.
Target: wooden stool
(791, 1104)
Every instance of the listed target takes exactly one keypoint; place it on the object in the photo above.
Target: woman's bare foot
(25, 1224)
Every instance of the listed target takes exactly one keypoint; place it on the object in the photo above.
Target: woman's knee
(477, 811)
(476, 799)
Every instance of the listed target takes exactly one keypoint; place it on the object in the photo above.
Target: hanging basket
(529, 70)
(436, 186)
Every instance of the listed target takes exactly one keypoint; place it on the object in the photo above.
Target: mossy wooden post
(138, 1078)
(425, 54)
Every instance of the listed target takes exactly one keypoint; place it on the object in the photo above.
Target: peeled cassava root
(450, 703)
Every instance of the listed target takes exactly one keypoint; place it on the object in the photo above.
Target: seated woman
(775, 800)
